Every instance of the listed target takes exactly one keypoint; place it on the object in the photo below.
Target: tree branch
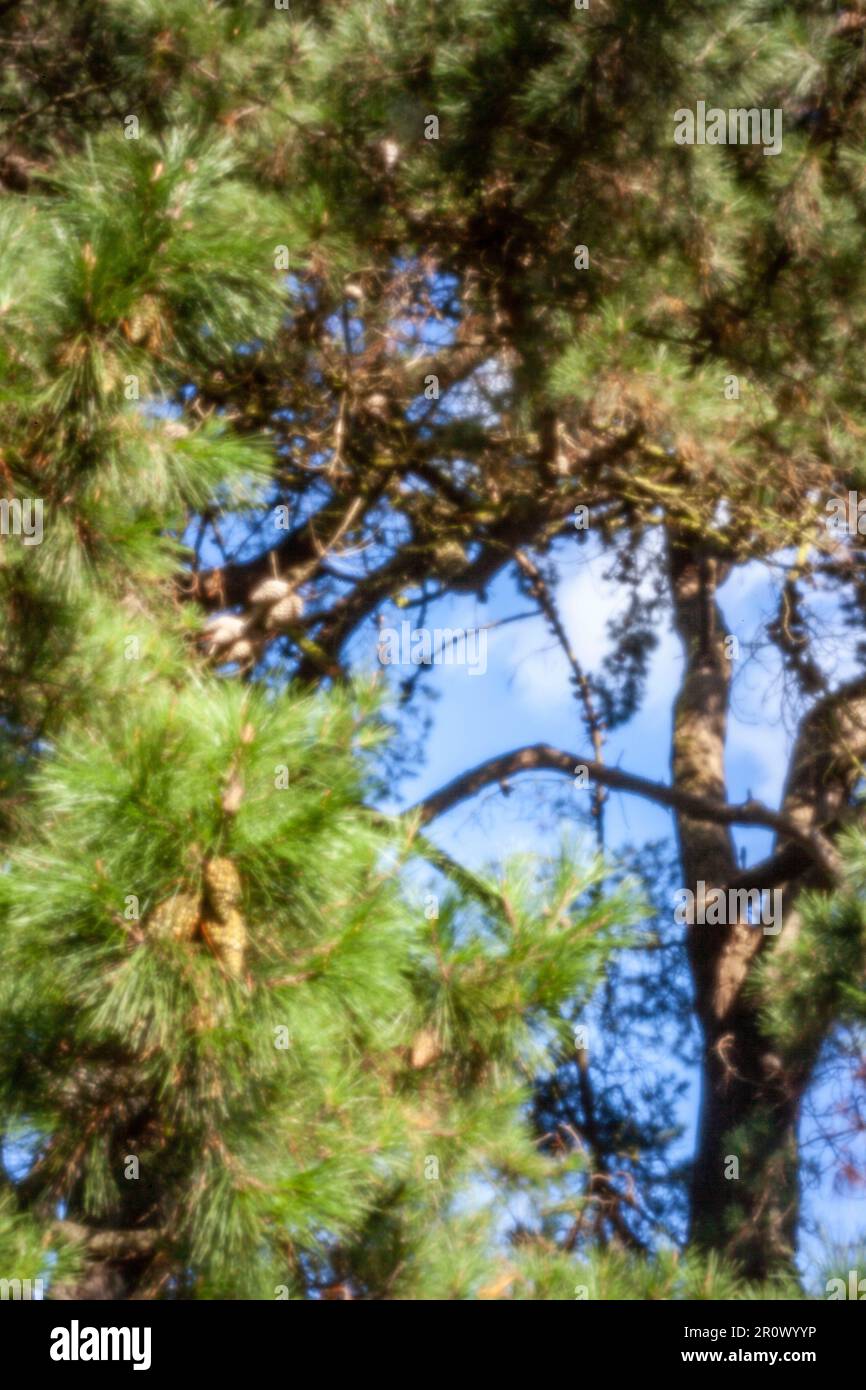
(101, 1244)
(543, 757)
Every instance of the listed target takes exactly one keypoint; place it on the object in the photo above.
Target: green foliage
(276, 1117)
(819, 972)
(620, 1277)
(158, 375)
(137, 263)
(25, 1252)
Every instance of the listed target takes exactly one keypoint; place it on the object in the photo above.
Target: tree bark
(744, 1196)
(115, 1266)
(751, 1090)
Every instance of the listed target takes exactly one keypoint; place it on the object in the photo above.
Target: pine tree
(292, 1115)
(239, 1058)
(308, 319)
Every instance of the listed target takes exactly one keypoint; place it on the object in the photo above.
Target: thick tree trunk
(744, 1184)
(102, 1281)
(745, 1190)
(121, 1252)
(118, 1264)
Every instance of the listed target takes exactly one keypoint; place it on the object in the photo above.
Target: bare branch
(542, 757)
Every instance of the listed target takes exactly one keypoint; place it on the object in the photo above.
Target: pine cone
(240, 652)
(426, 1048)
(223, 927)
(223, 631)
(284, 613)
(223, 886)
(144, 324)
(270, 591)
(228, 941)
(176, 919)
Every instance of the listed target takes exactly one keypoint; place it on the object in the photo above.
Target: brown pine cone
(223, 928)
(176, 918)
(228, 941)
(222, 886)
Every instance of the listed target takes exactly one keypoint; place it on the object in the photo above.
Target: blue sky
(524, 697)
